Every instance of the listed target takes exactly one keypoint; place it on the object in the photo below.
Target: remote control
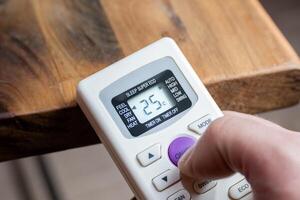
(148, 109)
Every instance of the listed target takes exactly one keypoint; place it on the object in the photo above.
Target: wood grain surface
(47, 46)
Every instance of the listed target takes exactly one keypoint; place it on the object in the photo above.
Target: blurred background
(89, 173)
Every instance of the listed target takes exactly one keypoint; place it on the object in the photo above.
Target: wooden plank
(47, 49)
(45, 132)
(225, 41)
(47, 46)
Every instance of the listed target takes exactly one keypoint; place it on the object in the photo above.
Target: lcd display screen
(151, 102)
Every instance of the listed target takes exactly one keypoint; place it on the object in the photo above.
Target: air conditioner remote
(148, 109)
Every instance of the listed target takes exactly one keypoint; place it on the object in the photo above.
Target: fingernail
(185, 158)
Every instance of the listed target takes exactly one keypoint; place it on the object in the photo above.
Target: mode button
(199, 126)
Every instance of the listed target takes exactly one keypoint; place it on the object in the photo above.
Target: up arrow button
(149, 155)
(165, 178)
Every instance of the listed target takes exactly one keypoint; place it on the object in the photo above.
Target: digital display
(151, 102)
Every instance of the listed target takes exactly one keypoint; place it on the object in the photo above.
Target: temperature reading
(151, 102)
(154, 102)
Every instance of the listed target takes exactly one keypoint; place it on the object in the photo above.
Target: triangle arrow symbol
(150, 155)
(165, 178)
(133, 107)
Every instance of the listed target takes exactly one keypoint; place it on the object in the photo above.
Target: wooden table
(47, 46)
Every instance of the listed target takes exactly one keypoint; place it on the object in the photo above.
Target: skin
(265, 153)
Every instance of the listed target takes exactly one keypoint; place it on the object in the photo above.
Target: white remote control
(148, 109)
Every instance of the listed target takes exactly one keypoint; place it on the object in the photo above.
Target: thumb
(242, 143)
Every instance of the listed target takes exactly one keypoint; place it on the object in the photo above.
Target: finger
(234, 143)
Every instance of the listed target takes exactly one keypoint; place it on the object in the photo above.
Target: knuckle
(216, 128)
(221, 129)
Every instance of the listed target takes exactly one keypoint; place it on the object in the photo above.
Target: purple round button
(178, 147)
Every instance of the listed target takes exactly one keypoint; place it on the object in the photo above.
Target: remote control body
(147, 109)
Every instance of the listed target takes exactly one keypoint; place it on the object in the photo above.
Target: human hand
(265, 153)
